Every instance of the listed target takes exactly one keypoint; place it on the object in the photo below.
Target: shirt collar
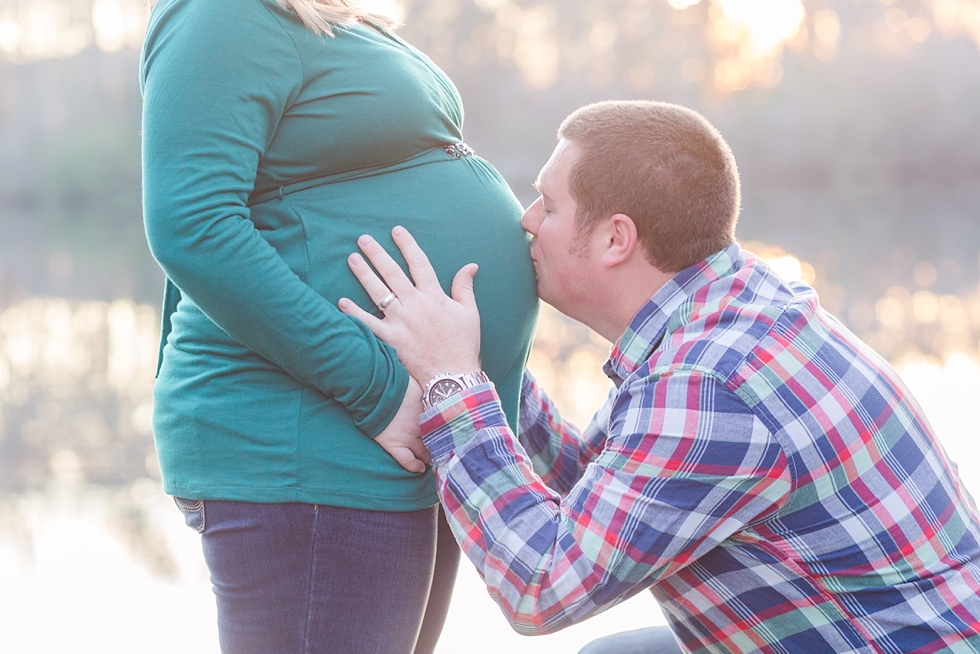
(647, 327)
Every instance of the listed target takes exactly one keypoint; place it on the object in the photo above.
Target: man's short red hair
(664, 166)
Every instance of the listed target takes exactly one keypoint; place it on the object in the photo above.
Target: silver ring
(386, 301)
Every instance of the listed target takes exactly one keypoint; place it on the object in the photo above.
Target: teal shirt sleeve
(217, 77)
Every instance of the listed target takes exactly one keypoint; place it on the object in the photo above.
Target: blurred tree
(91, 205)
(854, 122)
(70, 191)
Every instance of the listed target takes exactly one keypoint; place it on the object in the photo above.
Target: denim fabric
(308, 579)
(193, 511)
(652, 640)
(443, 580)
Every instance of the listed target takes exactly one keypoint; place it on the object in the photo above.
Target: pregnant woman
(274, 134)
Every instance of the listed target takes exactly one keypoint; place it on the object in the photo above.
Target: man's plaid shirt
(759, 468)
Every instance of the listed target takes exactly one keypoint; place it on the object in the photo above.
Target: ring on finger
(386, 301)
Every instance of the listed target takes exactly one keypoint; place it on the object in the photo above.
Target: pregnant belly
(460, 211)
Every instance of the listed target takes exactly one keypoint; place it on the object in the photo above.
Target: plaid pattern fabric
(757, 467)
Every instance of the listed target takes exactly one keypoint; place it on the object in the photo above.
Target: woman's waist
(215, 436)
(436, 154)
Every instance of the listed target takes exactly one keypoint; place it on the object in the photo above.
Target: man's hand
(401, 438)
(432, 332)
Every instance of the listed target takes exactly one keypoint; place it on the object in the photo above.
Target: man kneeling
(757, 467)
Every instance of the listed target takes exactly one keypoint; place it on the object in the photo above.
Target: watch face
(443, 389)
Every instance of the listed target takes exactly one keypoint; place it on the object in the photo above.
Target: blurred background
(855, 124)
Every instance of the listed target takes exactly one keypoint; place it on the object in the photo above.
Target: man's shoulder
(732, 319)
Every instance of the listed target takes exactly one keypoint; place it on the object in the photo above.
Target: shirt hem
(302, 495)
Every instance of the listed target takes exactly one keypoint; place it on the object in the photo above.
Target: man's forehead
(556, 164)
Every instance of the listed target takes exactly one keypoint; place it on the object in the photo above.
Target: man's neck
(619, 301)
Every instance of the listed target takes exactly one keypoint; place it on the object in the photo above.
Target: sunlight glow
(826, 29)
(682, 4)
(770, 23)
(117, 24)
(528, 37)
(947, 392)
(788, 267)
(46, 29)
(747, 38)
(754, 32)
(56, 340)
(567, 360)
(393, 8)
(953, 17)
(10, 35)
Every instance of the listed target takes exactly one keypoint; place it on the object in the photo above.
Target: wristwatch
(442, 386)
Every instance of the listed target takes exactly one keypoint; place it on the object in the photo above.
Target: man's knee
(652, 640)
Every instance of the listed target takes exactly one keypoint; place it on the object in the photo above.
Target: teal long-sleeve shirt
(267, 150)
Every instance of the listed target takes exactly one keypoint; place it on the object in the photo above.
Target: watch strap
(465, 380)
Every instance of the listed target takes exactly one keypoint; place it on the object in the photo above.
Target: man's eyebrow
(537, 187)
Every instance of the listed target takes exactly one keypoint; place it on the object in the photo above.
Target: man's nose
(532, 218)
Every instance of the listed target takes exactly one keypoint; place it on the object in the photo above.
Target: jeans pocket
(193, 511)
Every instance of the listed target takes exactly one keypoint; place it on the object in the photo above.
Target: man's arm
(671, 484)
(558, 451)
(686, 465)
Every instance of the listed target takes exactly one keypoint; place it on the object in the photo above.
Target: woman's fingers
(389, 269)
(418, 263)
(419, 450)
(407, 459)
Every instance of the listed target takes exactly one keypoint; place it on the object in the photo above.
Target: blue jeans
(304, 579)
(652, 640)
(441, 592)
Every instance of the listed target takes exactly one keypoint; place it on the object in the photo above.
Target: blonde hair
(322, 16)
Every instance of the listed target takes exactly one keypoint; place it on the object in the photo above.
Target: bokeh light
(745, 39)
(828, 160)
(118, 23)
(43, 29)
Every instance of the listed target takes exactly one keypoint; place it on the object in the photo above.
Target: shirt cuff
(455, 420)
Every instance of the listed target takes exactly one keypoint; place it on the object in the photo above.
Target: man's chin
(545, 296)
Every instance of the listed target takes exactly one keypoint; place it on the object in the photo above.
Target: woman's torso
(358, 150)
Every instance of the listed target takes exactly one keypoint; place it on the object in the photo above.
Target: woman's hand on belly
(401, 438)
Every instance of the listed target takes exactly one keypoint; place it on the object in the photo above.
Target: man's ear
(621, 240)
